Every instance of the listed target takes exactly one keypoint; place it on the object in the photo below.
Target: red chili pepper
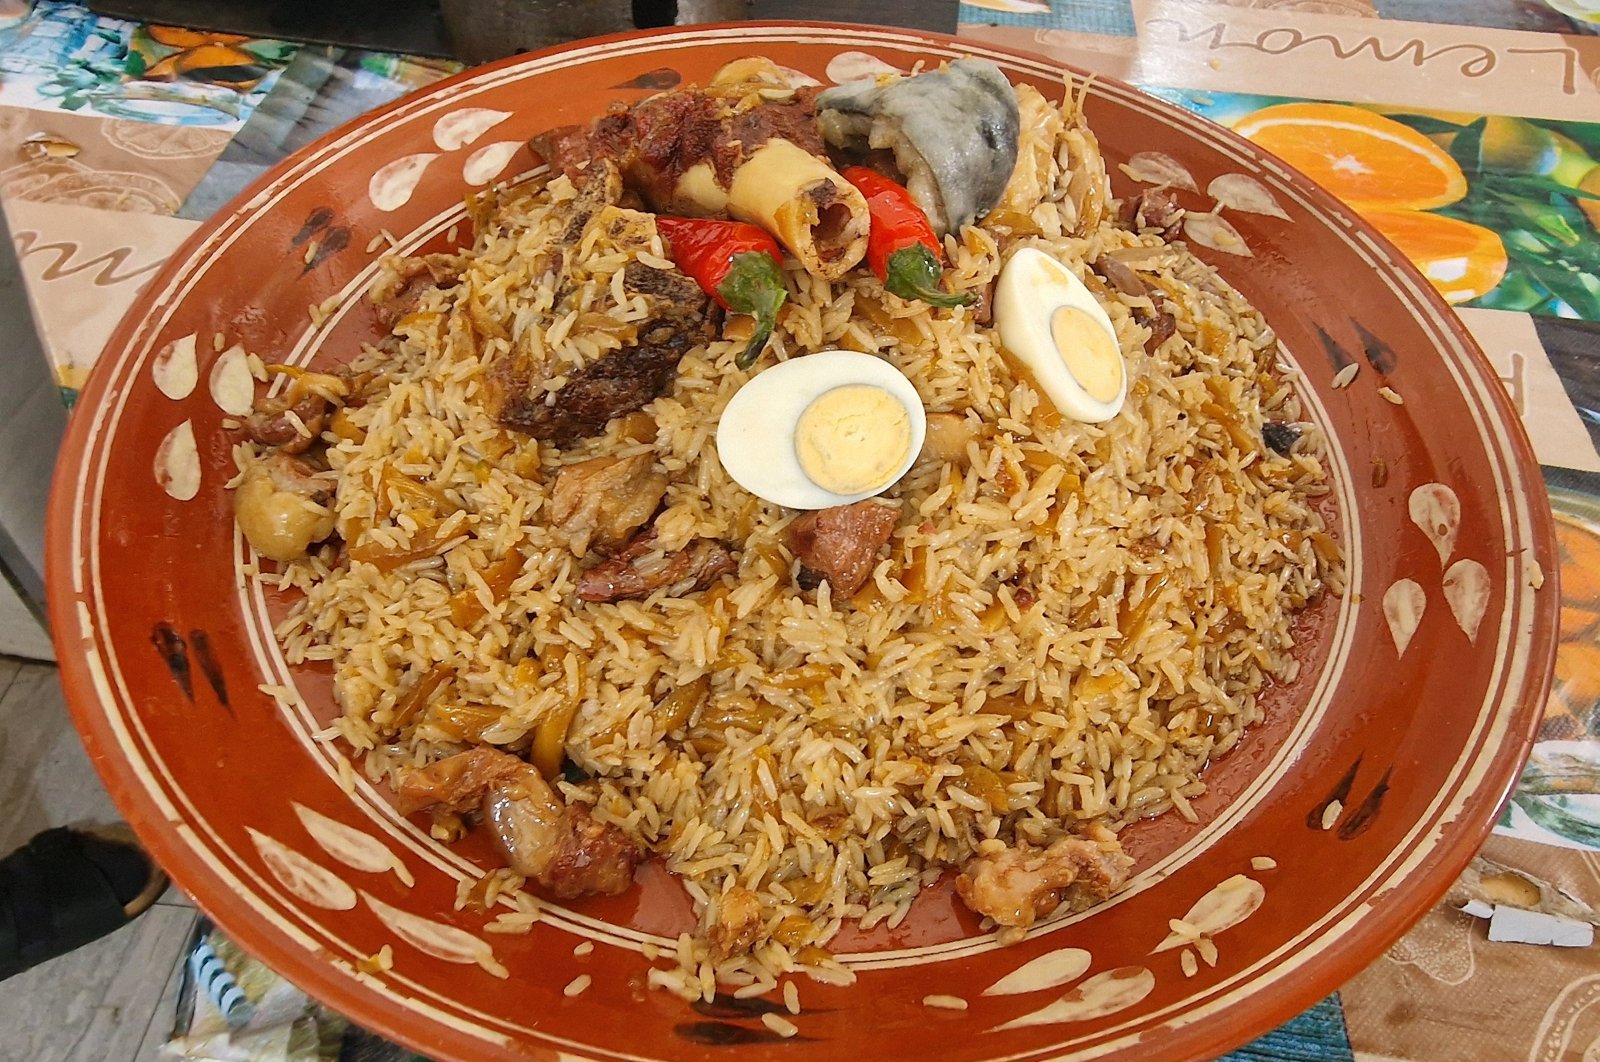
(901, 248)
(735, 263)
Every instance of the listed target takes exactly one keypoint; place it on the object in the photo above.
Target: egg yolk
(853, 439)
(1090, 353)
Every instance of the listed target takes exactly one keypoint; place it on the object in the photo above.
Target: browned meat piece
(398, 290)
(1121, 276)
(312, 397)
(618, 381)
(601, 501)
(1156, 210)
(561, 848)
(1021, 885)
(696, 566)
(738, 923)
(841, 544)
(655, 141)
(457, 783)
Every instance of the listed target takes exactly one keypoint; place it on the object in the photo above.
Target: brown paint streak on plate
(1338, 357)
(724, 1034)
(210, 666)
(1380, 355)
(1357, 824)
(169, 643)
(315, 222)
(1340, 793)
(663, 77)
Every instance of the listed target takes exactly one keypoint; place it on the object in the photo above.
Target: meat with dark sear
(561, 847)
(841, 544)
(601, 501)
(645, 359)
(1018, 886)
(1122, 276)
(1153, 210)
(399, 289)
(312, 398)
(640, 570)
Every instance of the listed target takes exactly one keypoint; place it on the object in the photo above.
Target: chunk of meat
(1018, 886)
(562, 848)
(601, 501)
(841, 544)
(635, 362)
(738, 923)
(640, 570)
(456, 783)
(1121, 276)
(1155, 209)
(399, 288)
(311, 398)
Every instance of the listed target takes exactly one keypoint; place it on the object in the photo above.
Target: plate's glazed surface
(1334, 825)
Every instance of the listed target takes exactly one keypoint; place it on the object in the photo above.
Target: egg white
(1031, 288)
(756, 433)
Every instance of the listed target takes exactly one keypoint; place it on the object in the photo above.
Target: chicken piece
(281, 506)
(401, 286)
(1018, 886)
(312, 397)
(637, 360)
(561, 847)
(738, 923)
(841, 544)
(640, 570)
(601, 501)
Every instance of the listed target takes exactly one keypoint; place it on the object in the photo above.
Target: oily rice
(1070, 621)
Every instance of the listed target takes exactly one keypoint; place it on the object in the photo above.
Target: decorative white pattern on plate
(460, 128)
(1160, 169)
(315, 884)
(350, 846)
(1466, 590)
(1050, 970)
(1403, 606)
(174, 370)
(1224, 907)
(390, 188)
(177, 463)
(1239, 191)
(485, 164)
(435, 938)
(1210, 230)
(1102, 994)
(1435, 508)
(233, 389)
(857, 66)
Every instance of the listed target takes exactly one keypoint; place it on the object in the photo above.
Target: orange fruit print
(1365, 159)
(1462, 260)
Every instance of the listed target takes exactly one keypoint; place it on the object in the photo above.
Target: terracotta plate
(1333, 826)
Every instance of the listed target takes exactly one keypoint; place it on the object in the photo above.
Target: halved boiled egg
(1050, 323)
(825, 429)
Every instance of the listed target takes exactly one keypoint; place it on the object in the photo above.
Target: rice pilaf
(1069, 622)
